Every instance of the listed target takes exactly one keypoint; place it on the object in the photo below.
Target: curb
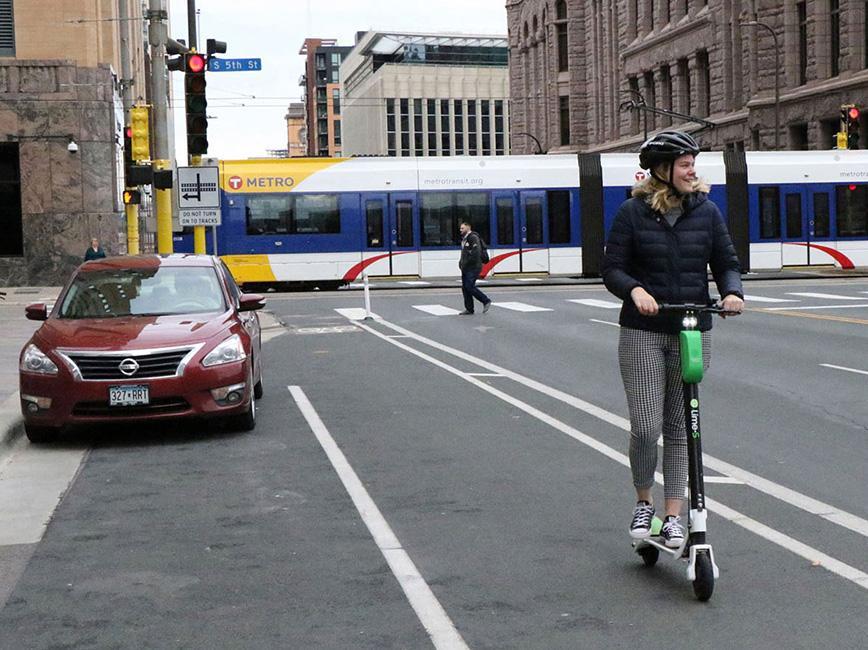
(11, 423)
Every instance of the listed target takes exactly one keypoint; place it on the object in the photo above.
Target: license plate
(128, 395)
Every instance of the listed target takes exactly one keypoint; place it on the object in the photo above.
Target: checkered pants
(651, 370)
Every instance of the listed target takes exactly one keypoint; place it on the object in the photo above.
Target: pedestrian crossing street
(796, 300)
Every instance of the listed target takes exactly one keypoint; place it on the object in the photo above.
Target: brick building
(322, 95)
(576, 66)
(61, 140)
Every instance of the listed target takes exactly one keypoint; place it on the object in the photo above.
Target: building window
(802, 12)
(320, 62)
(391, 148)
(498, 127)
(684, 89)
(835, 36)
(445, 148)
(562, 39)
(485, 107)
(633, 85)
(7, 29)
(459, 127)
(564, 112)
(418, 136)
(702, 65)
(432, 127)
(471, 127)
(336, 101)
(405, 127)
(336, 59)
(12, 241)
(337, 127)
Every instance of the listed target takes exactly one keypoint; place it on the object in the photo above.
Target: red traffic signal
(195, 63)
(853, 113)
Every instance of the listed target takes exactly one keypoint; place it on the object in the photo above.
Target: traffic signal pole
(199, 246)
(157, 38)
(131, 211)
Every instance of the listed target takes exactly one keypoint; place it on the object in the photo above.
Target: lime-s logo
(694, 403)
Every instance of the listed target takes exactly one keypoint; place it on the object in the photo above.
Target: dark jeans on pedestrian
(468, 288)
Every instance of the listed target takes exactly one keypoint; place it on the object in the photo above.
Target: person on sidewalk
(471, 266)
(95, 251)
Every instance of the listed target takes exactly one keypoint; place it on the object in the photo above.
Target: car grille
(156, 407)
(151, 365)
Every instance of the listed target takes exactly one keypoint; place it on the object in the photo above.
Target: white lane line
(437, 310)
(484, 374)
(832, 296)
(354, 313)
(850, 306)
(429, 610)
(520, 306)
(776, 537)
(32, 483)
(829, 365)
(780, 492)
(604, 322)
(723, 480)
(766, 299)
(593, 302)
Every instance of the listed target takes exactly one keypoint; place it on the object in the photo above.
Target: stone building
(579, 69)
(425, 94)
(61, 120)
(296, 135)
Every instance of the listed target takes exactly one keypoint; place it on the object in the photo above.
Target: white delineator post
(367, 297)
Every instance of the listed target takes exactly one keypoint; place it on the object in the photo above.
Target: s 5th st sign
(234, 65)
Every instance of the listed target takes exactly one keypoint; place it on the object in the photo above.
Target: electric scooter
(701, 567)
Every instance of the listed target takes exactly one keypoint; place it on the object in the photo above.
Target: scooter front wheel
(703, 585)
(649, 555)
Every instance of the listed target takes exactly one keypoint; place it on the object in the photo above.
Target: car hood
(134, 332)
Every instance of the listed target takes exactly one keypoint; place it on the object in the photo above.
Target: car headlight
(228, 351)
(34, 360)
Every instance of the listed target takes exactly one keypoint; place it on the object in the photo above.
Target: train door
(805, 224)
(533, 233)
(402, 236)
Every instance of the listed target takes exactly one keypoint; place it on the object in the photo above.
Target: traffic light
(852, 127)
(140, 142)
(196, 103)
(132, 197)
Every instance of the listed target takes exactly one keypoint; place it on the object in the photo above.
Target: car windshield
(143, 292)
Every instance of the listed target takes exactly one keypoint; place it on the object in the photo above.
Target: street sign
(198, 187)
(234, 65)
(199, 216)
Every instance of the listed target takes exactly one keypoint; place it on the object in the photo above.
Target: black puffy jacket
(669, 262)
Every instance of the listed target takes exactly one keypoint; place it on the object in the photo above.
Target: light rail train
(327, 221)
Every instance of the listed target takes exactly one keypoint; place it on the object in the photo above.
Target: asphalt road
(422, 478)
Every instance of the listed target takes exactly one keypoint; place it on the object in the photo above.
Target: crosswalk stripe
(354, 313)
(520, 306)
(766, 299)
(592, 302)
(833, 296)
(437, 310)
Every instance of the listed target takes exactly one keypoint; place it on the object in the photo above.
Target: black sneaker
(486, 307)
(465, 313)
(640, 527)
(672, 532)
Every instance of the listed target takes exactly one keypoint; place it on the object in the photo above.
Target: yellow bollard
(164, 214)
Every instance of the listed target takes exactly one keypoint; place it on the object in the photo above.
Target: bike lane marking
(429, 610)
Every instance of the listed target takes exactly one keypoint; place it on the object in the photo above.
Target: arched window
(561, 32)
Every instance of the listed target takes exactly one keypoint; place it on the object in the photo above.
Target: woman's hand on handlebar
(732, 305)
(646, 305)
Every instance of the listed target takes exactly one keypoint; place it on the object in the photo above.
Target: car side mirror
(36, 311)
(251, 302)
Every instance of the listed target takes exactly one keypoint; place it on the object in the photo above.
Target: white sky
(248, 108)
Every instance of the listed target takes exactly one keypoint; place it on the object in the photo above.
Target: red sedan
(143, 338)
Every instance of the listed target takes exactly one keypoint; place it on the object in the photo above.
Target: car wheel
(40, 434)
(247, 420)
(258, 389)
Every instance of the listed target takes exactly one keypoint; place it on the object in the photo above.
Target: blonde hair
(660, 196)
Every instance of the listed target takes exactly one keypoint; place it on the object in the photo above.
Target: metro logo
(271, 181)
(272, 176)
(235, 182)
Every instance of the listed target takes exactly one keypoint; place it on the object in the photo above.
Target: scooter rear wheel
(649, 555)
(703, 585)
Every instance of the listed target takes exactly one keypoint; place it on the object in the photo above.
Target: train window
(533, 213)
(794, 215)
(404, 223)
(505, 222)
(286, 214)
(443, 212)
(374, 220)
(770, 213)
(821, 214)
(852, 210)
(559, 216)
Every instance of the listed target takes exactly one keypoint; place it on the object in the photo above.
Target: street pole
(756, 23)
(157, 37)
(131, 211)
(199, 246)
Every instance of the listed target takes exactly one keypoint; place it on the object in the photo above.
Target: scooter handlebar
(711, 308)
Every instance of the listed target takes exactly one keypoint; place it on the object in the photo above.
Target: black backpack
(483, 251)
